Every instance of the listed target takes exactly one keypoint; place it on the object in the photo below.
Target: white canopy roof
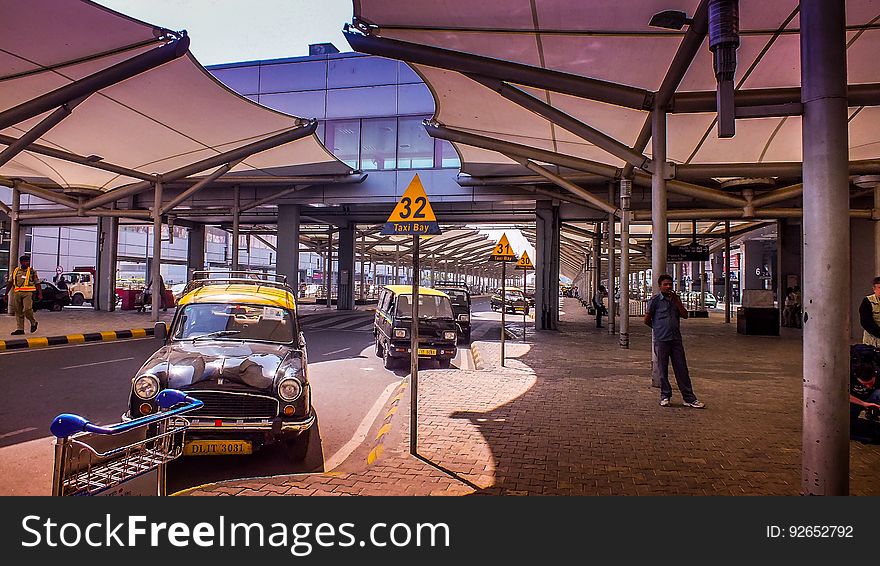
(612, 41)
(165, 118)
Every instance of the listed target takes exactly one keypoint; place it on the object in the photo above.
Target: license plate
(427, 352)
(217, 448)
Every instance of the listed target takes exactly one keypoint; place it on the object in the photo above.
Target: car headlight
(289, 389)
(449, 335)
(146, 387)
(464, 317)
(400, 332)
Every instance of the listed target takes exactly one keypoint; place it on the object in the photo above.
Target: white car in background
(177, 290)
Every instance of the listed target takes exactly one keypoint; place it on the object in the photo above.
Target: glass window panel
(243, 80)
(365, 102)
(415, 148)
(414, 99)
(306, 104)
(448, 156)
(378, 145)
(343, 140)
(362, 71)
(282, 77)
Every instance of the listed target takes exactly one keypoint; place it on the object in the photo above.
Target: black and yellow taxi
(438, 333)
(235, 344)
(460, 296)
(514, 300)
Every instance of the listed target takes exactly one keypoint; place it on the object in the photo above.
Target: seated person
(864, 395)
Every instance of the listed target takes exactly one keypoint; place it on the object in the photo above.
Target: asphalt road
(350, 386)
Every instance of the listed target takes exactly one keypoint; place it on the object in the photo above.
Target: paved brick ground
(572, 414)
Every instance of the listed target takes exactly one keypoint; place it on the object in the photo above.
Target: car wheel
(379, 350)
(296, 449)
(57, 307)
(390, 363)
(78, 299)
(444, 363)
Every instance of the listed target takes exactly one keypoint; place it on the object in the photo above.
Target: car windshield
(430, 306)
(513, 295)
(234, 322)
(458, 297)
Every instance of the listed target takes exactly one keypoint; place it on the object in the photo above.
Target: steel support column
(612, 307)
(547, 266)
(14, 238)
(345, 282)
(625, 192)
(195, 250)
(826, 211)
(287, 257)
(155, 273)
(659, 228)
(105, 261)
(236, 231)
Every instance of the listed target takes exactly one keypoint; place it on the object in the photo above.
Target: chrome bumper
(260, 425)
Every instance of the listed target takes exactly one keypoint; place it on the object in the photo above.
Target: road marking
(336, 352)
(17, 432)
(361, 433)
(98, 363)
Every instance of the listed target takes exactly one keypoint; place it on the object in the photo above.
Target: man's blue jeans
(673, 349)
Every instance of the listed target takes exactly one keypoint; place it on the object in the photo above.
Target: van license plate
(217, 448)
(427, 352)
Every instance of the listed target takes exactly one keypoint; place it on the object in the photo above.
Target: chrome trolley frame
(128, 458)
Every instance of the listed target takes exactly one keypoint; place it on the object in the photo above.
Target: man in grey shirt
(664, 312)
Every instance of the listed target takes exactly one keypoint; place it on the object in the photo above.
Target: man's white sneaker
(696, 404)
(664, 402)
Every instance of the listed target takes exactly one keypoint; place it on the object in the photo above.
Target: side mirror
(302, 340)
(160, 331)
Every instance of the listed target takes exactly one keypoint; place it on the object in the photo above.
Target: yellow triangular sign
(413, 206)
(525, 262)
(503, 251)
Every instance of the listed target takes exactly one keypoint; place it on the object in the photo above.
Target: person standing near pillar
(23, 284)
(599, 305)
(869, 316)
(664, 312)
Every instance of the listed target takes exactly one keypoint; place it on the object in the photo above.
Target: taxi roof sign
(503, 251)
(525, 262)
(413, 213)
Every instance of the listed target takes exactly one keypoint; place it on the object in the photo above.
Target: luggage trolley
(128, 458)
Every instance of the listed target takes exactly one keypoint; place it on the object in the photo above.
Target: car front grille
(229, 405)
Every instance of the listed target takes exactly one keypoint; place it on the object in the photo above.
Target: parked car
(54, 299)
(80, 285)
(460, 297)
(235, 344)
(393, 323)
(514, 300)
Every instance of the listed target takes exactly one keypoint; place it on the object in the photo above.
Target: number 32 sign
(413, 213)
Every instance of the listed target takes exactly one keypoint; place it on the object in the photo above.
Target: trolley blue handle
(67, 424)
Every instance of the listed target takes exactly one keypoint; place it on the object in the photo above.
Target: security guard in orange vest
(24, 283)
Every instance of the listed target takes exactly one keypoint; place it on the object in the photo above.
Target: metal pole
(414, 354)
(14, 238)
(612, 307)
(157, 252)
(727, 286)
(328, 265)
(236, 232)
(827, 238)
(659, 229)
(525, 272)
(877, 231)
(363, 263)
(625, 193)
(503, 305)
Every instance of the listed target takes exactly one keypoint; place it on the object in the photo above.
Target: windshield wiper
(217, 333)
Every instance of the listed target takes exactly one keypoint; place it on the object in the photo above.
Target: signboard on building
(690, 252)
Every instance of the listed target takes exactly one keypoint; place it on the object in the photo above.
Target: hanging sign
(502, 251)
(690, 252)
(525, 261)
(413, 214)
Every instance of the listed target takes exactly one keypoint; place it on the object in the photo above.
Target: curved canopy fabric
(612, 41)
(162, 119)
